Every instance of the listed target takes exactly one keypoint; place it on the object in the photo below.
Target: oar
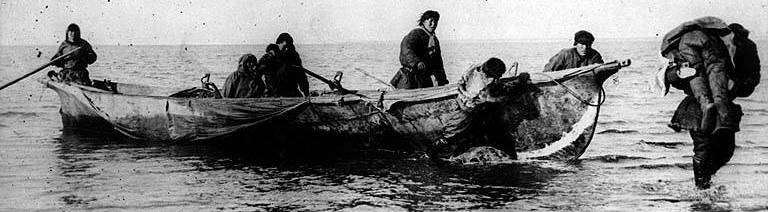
(374, 77)
(326, 81)
(39, 69)
(515, 64)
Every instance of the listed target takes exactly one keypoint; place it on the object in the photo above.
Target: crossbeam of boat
(566, 74)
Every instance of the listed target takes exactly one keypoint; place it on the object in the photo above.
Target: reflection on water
(100, 171)
(110, 172)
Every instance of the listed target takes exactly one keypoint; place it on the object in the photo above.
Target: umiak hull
(551, 116)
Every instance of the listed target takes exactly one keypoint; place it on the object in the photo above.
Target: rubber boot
(728, 118)
(701, 176)
(709, 117)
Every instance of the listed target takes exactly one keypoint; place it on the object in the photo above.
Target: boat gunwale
(555, 78)
(559, 76)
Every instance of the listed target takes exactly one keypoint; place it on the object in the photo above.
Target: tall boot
(728, 118)
(701, 175)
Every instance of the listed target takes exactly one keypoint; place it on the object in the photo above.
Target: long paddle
(326, 81)
(40, 68)
(374, 77)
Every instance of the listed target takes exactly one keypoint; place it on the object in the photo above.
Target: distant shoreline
(532, 40)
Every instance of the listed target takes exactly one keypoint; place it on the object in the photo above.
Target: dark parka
(414, 48)
(290, 79)
(74, 66)
(245, 82)
(746, 65)
(570, 58)
(269, 65)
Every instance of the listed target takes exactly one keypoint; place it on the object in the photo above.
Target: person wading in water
(697, 47)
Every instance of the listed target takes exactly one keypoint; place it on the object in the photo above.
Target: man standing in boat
(290, 79)
(420, 56)
(582, 54)
(74, 66)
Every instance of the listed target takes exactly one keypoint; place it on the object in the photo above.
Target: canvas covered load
(744, 60)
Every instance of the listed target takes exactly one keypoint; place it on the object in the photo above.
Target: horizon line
(514, 40)
(365, 41)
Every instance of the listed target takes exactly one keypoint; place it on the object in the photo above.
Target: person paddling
(291, 81)
(74, 66)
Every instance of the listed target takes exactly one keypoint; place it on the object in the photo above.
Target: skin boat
(548, 115)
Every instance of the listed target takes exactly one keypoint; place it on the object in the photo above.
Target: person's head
(284, 41)
(494, 67)
(272, 49)
(429, 20)
(247, 62)
(738, 30)
(583, 40)
(73, 33)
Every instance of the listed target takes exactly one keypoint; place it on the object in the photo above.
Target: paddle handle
(326, 81)
(615, 64)
(39, 68)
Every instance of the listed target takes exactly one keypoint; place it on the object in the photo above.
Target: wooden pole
(326, 81)
(375, 78)
(39, 68)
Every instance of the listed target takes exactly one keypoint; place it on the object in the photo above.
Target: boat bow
(568, 104)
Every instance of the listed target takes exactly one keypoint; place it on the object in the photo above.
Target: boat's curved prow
(568, 104)
(572, 144)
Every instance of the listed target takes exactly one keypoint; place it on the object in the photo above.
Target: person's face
(72, 36)
(281, 45)
(430, 25)
(251, 65)
(271, 52)
(581, 49)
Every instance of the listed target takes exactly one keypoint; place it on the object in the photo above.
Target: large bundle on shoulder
(745, 60)
(742, 51)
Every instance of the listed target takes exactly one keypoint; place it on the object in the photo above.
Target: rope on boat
(600, 100)
(601, 93)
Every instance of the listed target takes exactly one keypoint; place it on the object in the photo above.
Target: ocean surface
(635, 162)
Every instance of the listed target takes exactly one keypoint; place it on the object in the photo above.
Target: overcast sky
(27, 22)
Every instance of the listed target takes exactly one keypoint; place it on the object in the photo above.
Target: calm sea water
(636, 163)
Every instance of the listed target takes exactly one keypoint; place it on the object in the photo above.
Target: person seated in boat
(246, 81)
(74, 66)
(268, 66)
(290, 79)
(420, 56)
(581, 54)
